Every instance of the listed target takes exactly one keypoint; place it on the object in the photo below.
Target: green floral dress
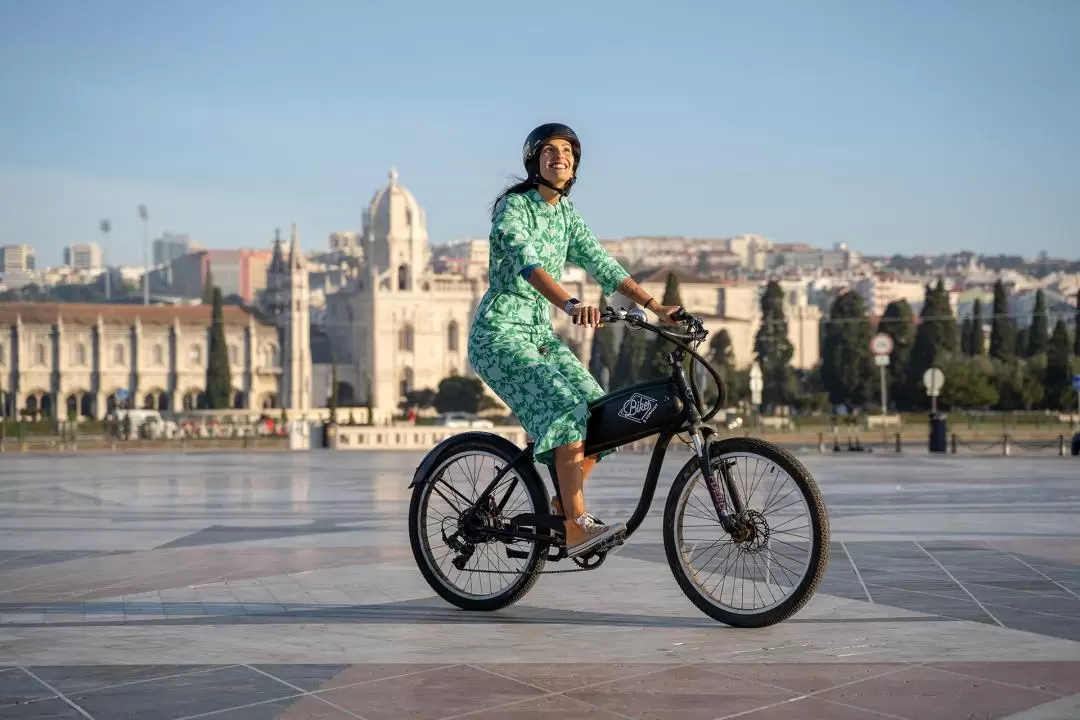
(512, 345)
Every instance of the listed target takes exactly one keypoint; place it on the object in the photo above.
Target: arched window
(270, 356)
(80, 354)
(159, 355)
(452, 336)
(406, 338)
(195, 354)
(39, 353)
(403, 277)
(234, 355)
(118, 354)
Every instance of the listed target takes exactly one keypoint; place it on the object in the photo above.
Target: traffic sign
(1076, 383)
(933, 379)
(882, 344)
(881, 360)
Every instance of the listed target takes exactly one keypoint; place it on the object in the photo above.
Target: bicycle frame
(689, 419)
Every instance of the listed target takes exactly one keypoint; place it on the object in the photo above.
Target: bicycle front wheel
(771, 568)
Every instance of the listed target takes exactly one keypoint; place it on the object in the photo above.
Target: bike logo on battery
(638, 408)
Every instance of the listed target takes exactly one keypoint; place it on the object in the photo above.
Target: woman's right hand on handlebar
(665, 312)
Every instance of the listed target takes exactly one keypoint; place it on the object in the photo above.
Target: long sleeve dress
(512, 345)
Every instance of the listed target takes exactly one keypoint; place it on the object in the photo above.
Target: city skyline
(944, 129)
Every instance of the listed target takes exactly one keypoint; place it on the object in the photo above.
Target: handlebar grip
(680, 315)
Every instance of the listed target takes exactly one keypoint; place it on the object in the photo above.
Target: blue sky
(883, 124)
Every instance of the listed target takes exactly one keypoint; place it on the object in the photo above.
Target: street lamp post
(106, 226)
(146, 253)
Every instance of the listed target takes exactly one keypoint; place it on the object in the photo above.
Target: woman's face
(557, 162)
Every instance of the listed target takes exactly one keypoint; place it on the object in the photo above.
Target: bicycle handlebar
(695, 333)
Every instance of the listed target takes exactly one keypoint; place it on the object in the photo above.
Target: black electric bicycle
(728, 516)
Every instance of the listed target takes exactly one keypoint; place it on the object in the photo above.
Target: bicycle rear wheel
(465, 566)
(771, 570)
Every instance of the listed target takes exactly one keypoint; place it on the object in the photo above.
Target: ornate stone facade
(83, 359)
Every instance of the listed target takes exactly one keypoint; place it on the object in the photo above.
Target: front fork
(728, 518)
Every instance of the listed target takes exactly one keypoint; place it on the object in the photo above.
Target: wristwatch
(569, 306)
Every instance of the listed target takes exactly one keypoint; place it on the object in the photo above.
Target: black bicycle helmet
(530, 152)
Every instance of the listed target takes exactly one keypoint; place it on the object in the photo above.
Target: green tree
(898, 322)
(1076, 327)
(658, 356)
(936, 339)
(1002, 328)
(1058, 369)
(630, 367)
(703, 267)
(605, 352)
(1039, 332)
(208, 287)
(977, 340)
(847, 370)
(773, 348)
(965, 337)
(1019, 384)
(969, 383)
(459, 394)
(218, 381)
(332, 401)
(722, 357)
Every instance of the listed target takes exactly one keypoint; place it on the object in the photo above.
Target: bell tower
(296, 341)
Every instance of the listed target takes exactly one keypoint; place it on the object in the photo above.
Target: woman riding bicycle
(512, 345)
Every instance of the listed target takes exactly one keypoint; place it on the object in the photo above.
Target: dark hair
(519, 186)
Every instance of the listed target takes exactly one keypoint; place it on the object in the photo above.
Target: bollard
(1061, 445)
(821, 443)
(1005, 444)
(836, 442)
(954, 443)
(897, 443)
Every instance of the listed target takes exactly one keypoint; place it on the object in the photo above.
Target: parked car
(463, 420)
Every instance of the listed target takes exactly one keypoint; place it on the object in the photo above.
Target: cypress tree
(658, 358)
(1038, 334)
(773, 348)
(1076, 327)
(965, 336)
(722, 358)
(218, 382)
(208, 287)
(630, 367)
(936, 338)
(898, 322)
(1058, 371)
(1002, 328)
(605, 352)
(847, 369)
(332, 401)
(977, 342)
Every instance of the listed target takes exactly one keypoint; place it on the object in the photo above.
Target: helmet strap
(564, 191)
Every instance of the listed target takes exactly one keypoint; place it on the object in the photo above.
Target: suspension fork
(702, 450)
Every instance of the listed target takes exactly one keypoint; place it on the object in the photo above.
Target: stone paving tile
(431, 695)
(811, 709)
(808, 677)
(690, 693)
(1059, 678)
(923, 693)
(51, 709)
(75, 679)
(18, 688)
(181, 695)
(552, 707)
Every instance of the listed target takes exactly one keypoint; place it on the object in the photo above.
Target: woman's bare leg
(570, 464)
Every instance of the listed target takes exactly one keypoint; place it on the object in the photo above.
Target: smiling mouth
(557, 166)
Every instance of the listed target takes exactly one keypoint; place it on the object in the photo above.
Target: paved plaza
(249, 586)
